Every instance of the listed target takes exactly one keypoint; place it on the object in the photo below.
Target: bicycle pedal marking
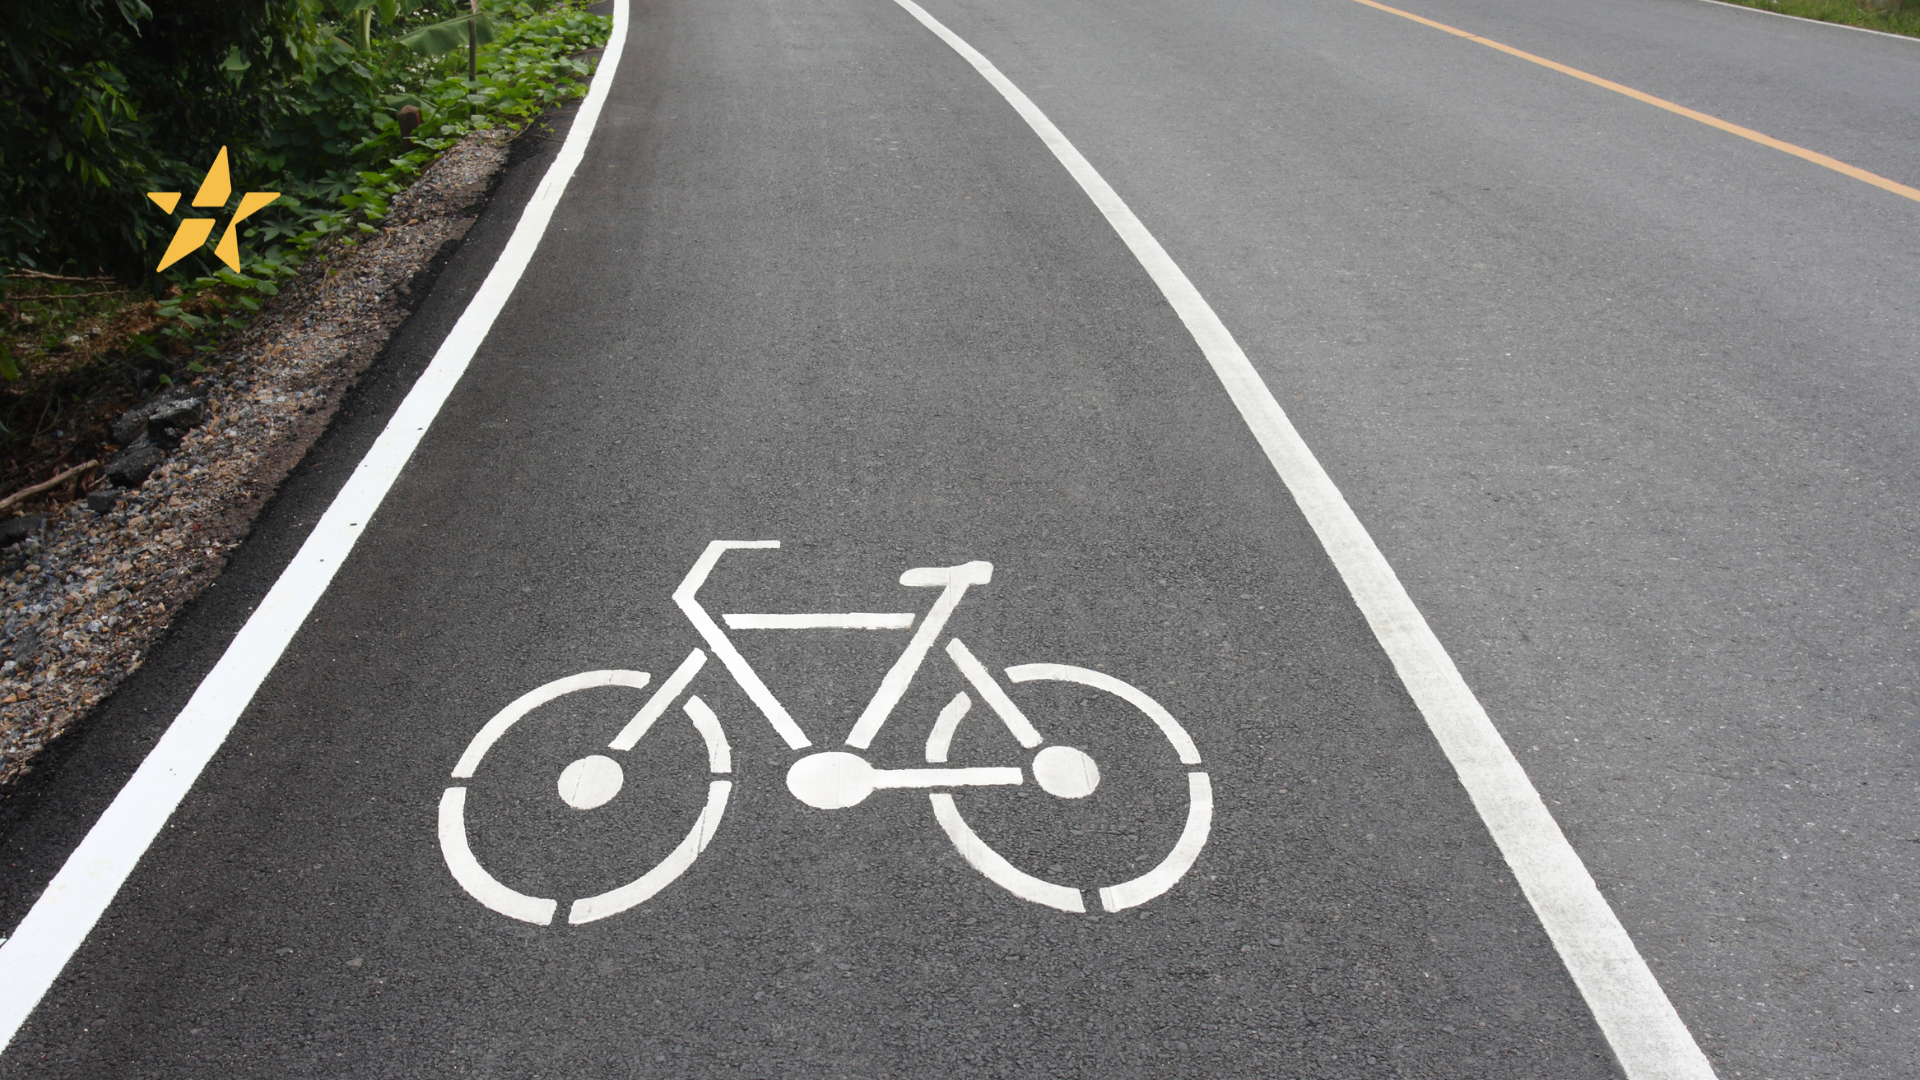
(836, 779)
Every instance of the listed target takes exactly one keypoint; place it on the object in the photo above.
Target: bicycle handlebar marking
(833, 780)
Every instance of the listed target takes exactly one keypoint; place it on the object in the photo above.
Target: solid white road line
(1646, 1035)
(88, 881)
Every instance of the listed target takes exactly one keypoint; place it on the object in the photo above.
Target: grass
(1894, 17)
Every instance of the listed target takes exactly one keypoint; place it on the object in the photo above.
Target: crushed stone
(84, 599)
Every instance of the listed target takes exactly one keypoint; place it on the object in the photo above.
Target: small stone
(25, 645)
(355, 962)
(133, 423)
(20, 528)
(133, 465)
(104, 500)
(169, 423)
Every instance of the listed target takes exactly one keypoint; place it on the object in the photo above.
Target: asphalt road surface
(1626, 400)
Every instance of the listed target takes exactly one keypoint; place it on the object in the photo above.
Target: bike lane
(816, 283)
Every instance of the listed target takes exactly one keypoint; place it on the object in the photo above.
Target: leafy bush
(341, 155)
(319, 124)
(101, 101)
(104, 100)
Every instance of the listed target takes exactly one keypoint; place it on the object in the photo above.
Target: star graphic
(193, 232)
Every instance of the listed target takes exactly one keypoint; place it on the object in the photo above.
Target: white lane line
(88, 881)
(852, 620)
(1646, 1034)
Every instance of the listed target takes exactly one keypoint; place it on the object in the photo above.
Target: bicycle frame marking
(833, 779)
(953, 582)
(852, 620)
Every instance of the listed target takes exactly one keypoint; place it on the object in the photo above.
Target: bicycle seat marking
(833, 779)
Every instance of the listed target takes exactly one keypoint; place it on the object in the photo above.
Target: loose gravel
(85, 599)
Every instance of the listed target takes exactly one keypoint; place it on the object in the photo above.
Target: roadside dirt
(85, 596)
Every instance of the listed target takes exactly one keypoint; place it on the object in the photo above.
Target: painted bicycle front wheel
(1068, 773)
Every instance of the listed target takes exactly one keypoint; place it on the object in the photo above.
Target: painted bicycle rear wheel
(585, 784)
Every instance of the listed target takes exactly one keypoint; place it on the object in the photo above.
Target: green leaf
(444, 37)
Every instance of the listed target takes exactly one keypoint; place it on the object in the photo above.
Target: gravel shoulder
(93, 586)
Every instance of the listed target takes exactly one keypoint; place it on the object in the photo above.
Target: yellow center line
(1712, 121)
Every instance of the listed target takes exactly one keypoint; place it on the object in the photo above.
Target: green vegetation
(102, 101)
(1889, 16)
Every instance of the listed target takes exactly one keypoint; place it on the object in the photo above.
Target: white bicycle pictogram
(833, 779)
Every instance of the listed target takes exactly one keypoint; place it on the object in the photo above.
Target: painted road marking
(1633, 1012)
(1801, 152)
(519, 707)
(852, 620)
(990, 692)
(837, 779)
(737, 666)
(473, 877)
(646, 885)
(592, 781)
(941, 737)
(93, 874)
(953, 581)
(589, 782)
(660, 702)
(981, 856)
(1065, 772)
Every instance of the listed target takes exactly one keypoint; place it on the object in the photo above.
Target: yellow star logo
(194, 231)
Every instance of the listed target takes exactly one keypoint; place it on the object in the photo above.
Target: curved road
(1624, 398)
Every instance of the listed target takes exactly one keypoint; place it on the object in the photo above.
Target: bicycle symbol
(834, 779)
